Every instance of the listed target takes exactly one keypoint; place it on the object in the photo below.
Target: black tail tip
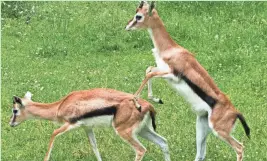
(245, 126)
(248, 133)
(160, 101)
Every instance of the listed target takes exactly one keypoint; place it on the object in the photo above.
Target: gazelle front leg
(66, 127)
(92, 141)
(165, 74)
(149, 76)
(149, 85)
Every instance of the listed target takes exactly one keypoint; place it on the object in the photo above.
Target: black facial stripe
(98, 112)
(135, 22)
(14, 118)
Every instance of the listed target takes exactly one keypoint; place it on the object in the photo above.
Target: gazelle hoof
(157, 100)
(137, 105)
(139, 108)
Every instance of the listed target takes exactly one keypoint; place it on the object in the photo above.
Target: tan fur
(181, 61)
(125, 121)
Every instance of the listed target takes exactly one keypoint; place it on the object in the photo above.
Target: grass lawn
(53, 48)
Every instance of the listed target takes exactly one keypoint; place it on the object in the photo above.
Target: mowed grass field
(53, 48)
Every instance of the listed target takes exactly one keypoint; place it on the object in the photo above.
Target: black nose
(138, 17)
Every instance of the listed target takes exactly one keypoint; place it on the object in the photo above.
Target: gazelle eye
(138, 17)
(15, 111)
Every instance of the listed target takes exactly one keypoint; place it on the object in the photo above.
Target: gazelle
(178, 66)
(94, 108)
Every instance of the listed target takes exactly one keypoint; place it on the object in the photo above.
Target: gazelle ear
(151, 7)
(28, 95)
(16, 99)
(141, 4)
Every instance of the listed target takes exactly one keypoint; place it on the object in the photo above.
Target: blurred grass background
(53, 48)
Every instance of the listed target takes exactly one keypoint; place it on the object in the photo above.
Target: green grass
(80, 45)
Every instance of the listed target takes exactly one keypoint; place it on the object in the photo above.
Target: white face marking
(129, 26)
(135, 20)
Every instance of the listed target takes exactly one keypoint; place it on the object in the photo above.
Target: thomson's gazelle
(93, 108)
(179, 67)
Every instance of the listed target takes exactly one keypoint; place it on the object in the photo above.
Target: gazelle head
(142, 19)
(19, 113)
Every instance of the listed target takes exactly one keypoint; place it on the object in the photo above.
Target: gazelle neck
(160, 37)
(47, 111)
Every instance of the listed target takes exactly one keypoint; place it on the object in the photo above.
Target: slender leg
(92, 141)
(238, 147)
(149, 85)
(61, 130)
(149, 76)
(133, 141)
(202, 130)
(222, 128)
(152, 136)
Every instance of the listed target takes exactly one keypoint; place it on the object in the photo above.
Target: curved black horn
(141, 4)
(151, 7)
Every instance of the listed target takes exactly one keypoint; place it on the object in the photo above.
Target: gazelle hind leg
(149, 134)
(92, 141)
(223, 129)
(238, 147)
(129, 137)
(64, 128)
(202, 130)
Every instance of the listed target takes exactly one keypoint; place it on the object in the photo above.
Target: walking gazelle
(93, 108)
(178, 66)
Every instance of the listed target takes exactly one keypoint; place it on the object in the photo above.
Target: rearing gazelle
(178, 66)
(93, 108)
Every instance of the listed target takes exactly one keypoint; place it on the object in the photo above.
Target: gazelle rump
(183, 72)
(95, 108)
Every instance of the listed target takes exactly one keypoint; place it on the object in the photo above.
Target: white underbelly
(199, 106)
(99, 121)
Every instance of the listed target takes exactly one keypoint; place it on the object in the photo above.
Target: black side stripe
(208, 99)
(99, 112)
